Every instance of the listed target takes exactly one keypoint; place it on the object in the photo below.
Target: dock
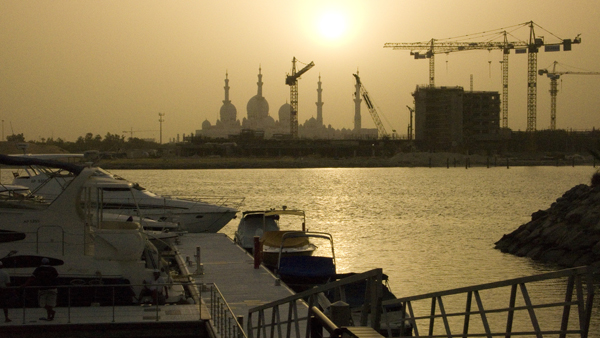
(231, 268)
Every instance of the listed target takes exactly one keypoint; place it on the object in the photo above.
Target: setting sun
(332, 25)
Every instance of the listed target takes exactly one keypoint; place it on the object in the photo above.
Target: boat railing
(222, 201)
(265, 321)
(510, 309)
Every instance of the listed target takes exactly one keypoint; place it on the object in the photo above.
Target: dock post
(240, 320)
(340, 313)
(199, 266)
(256, 252)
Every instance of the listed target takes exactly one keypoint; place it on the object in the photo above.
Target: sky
(68, 68)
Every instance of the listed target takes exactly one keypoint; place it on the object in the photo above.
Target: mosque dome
(268, 122)
(284, 114)
(257, 107)
(311, 123)
(206, 124)
(228, 113)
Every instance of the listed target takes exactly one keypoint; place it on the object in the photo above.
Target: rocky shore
(567, 234)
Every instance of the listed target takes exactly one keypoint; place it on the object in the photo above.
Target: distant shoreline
(410, 160)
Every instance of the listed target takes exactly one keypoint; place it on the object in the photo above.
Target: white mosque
(259, 119)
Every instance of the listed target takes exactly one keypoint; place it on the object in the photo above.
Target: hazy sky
(72, 67)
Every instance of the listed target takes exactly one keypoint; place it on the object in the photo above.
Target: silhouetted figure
(45, 277)
(4, 292)
(154, 289)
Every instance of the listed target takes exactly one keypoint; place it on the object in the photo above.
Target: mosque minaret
(258, 107)
(319, 103)
(228, 112)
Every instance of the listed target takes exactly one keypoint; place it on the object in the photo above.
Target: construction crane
(410, 123)
(428, 49)
(554, 76)
(363, 92)
(292, 81)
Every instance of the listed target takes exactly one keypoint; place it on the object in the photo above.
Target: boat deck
(223, 263)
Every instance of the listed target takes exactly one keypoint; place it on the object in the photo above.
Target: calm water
(430, 229)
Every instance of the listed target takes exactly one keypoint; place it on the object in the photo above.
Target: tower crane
(428, 49)
(554, 76)
(410, 123)
(292, 81)
(363, 91)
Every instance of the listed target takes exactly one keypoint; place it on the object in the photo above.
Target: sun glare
(332, 25)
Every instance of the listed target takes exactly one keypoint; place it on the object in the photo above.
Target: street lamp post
(161, 120)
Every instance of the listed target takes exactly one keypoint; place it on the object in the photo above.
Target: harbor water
(430, 229)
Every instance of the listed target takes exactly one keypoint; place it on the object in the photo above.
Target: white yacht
(83, 246)
(192, 214)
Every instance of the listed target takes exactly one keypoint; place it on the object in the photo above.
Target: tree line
(108, 143)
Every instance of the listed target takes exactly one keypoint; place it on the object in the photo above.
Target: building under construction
(449, 118)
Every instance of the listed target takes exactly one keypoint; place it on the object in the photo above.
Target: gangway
(440, 314)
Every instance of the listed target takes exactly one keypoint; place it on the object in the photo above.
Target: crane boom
(554, 76)
(372, 110)
(292, 81)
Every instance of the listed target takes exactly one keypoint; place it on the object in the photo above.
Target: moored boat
(265, 224)
(193, 214)
(73, 234)
(303, 272)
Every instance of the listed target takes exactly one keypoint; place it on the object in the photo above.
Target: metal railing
(95, 294)
(115, 299)
(522, 317)
(265, 320)
(224, 321)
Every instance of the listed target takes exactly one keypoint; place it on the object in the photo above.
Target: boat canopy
(275, 239)
(285, 212)
(20, 161)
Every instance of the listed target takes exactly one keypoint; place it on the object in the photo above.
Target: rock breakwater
(568, 233)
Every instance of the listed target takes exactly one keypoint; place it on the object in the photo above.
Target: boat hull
(271, 258)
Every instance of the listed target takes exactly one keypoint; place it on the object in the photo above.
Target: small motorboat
(303, 272)
(266, 225)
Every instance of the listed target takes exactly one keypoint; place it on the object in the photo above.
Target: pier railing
(110, 301)
(511, 309)
(266, 321)
(224, 321)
